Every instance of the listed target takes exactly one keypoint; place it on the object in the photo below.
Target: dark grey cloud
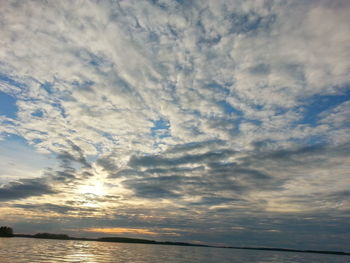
(62, 176)
(125, 173)
(319, 198)
(66, 158)
(107, 164)
(164, 176)
(174, 170)
(221, 179)
(196, 175)
(159, 187)
(157, 160)
(68, 175)
(232, 169)
(81, 156)
(260, 69)
(341, 195)
(154, 171)
(241, 180)
(179, 148)
(218, 200)
(25, 188)
(55, 208)
(68, 161)
(179, 186)
(61, 209)
(290, 153)
(295, 155)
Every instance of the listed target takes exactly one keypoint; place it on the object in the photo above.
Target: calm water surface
(18, 250)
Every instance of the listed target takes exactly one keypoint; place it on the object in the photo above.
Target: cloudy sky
(223, 122)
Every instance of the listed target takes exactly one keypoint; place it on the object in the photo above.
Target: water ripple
(24, 250)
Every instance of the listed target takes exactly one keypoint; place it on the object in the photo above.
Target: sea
(29, 250)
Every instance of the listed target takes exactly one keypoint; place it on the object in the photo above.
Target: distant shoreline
(146, 241)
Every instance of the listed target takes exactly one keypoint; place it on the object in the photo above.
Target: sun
(95, 189)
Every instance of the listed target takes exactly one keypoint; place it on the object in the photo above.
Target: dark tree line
(6, 231)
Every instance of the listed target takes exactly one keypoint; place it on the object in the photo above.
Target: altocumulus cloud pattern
(210, 121)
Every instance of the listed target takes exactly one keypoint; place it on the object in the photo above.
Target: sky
(216, 122)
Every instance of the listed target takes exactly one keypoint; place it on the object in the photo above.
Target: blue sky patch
(7, 105)
(160, 128)
(38, 113)
(48, 87)
(10, 81)
(228, 109)
(321, 103)
(219, 88)
(250, 22)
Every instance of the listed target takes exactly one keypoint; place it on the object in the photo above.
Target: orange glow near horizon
(121, 230)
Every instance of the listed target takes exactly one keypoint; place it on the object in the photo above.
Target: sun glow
(95, 189)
